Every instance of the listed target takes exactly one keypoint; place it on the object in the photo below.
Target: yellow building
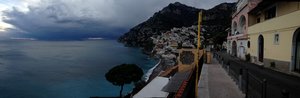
(274, 35)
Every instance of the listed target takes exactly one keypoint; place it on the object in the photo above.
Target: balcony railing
(281, 22)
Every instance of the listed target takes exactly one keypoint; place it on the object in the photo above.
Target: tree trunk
(121, 91)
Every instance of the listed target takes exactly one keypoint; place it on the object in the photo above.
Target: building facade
(237, 40)
(274, 35)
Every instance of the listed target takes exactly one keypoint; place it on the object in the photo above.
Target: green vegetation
(272, 64)
(248, 57)
(124, 74)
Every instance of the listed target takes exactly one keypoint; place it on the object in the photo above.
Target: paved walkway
(216, 83)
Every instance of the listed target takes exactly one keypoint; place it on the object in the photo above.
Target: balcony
(277, 23)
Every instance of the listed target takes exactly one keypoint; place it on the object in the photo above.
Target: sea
(64, 69)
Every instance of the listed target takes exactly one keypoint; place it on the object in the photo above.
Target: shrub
(248, 57)
(272, 64)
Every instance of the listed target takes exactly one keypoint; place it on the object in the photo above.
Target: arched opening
(242, 24)
(234, 28)
(296, 51)
(234, 46)
(260, 48)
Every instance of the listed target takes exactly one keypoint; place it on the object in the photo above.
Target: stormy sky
(79, 19)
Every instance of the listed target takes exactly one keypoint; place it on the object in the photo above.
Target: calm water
(63, 69)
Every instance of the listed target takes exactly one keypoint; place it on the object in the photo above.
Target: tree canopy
(124, 74)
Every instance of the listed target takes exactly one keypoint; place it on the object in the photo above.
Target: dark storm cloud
(42, 25)
(76, 19)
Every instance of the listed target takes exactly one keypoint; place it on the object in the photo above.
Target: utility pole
(197, 55)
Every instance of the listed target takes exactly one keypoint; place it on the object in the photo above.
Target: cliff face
(178, 15)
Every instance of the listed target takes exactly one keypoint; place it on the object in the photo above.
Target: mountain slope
(215, 21)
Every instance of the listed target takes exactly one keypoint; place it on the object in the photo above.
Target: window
(276, 39)
(242, 24)
(248, 44)
(270, 13)
(258, 20)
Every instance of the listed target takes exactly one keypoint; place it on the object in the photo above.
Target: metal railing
(259, 82)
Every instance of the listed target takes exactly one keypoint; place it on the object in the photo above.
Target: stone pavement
(216, 83)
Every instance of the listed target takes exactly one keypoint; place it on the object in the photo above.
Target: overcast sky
(76, 19)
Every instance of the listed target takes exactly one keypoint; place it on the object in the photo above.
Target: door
(234, 50)
(242, 52)
(297, 59)
(261, 48)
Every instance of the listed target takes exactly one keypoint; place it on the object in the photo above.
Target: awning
(154, 89)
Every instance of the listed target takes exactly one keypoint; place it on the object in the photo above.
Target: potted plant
(248, 57)
(272, 64)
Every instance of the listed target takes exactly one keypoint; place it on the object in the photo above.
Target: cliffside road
(216, 83)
